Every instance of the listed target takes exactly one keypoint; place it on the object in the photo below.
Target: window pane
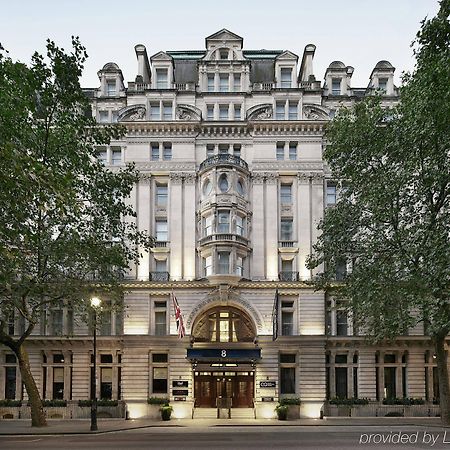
(159, 357)
(336, 86)
(293, 152)
(116, 155)
(287, 380)
(341, 382)
(286, 230)
(279, 112)
(161, 78)
(210, 112)
(160, 380)
(224, 222)
(161, 195)
(106, 383)
(286, 79)
(167, 110)
(223, 82)
(280, 151)
(155, 112)
(287, 323)
(160, 323)
(286, 194)
(155, 152)
(167, 152)
(224, 262)
(161, 231)
(293, 110)
(10, 383)
(237, 82)
(210, 82)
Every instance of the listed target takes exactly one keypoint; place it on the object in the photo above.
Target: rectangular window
(208, 221)
(57, 322)
(209, 150)
(155, 112)
(161, 265)
(155, 151)
(239, 225)
(239, 266)
(331, 194)
(110, 88)
(106, 383)
(207, 266)
(114, 116)
(286, 230)
(237, 112)
(287, 318)
(293, 151)
(159, 357)
(58, 383)
(167, 151)
(341, 323)
(102, 155)
(161, 230)
(223, 222)
(286, 194)
(280, 151)
(223, 262)
(116, 156)
(10, 383)
(210, 112)
(106, 322)
(237, 150)
(293, 110)
(223, 112)
(223, 82)
(341, 382)
(382, 84)
(390, 382)
(279, 110)
(167, 111)
(210, 82)
(160, 318)
(160, 380)
(161, 79)
(236, 82)
(286, 77)
(287, 380)
(336, 86)
(103, 116)
(161, 195)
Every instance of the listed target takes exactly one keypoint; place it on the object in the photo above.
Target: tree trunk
(444, 385)
(37, 409)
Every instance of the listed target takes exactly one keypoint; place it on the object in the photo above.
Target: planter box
(293, 412)
(380, 410)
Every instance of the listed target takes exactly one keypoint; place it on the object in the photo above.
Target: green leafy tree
(392, 222)
(66, 229)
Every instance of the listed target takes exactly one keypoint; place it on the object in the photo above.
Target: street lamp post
(95, 303)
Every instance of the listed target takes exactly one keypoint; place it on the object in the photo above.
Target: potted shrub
(282, 411)
(166, 411)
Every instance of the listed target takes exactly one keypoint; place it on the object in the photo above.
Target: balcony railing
(159, 276)
(287, 244)
(227, 237)
(223, 159)
(263, 86)
(161, 244)
(185, 86)
(288, 276)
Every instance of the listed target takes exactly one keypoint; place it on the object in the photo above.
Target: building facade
(229, 144)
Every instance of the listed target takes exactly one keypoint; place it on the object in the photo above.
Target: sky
(358, 32)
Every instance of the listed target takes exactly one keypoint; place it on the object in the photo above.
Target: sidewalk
(82, 426)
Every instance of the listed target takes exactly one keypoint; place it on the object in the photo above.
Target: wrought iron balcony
(223, 159)
(288, 276)
(159, 276)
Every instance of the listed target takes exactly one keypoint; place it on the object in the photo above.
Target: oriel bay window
(224, 324)
(224, 222)
(223, 262)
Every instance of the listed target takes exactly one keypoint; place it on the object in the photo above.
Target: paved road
(247, 438)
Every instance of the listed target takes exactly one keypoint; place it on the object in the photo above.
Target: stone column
(175, 226)
(258, 228)
(143, 201)
(189, 254)
(303, 224)
(272, 226)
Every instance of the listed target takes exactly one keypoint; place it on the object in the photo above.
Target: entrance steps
(236, 413)
(205, 413)
(242, 413)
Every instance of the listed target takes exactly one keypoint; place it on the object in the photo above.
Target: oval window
(207, 186)
(223, 183)
(240, 187)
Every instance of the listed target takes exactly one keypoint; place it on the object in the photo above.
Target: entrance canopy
(220, 355)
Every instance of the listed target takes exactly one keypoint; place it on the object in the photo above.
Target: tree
(66, 229)
(392, 222)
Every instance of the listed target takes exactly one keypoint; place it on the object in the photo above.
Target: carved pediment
(315, 112)
(161, 56)
(131, 113)
(224, 35)
(287, 55)
(188, 112)
(260, 112)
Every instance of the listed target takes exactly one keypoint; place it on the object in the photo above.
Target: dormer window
(110, 88)
(382, 84)
(336, 86)
(286, 77)
(223, 53)
(161, 79)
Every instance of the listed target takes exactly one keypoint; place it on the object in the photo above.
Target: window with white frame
(167, 151)
(211, 82)
(236, 82)
(287, 317)
(155, 111)
(116, 156)
(293, 151)
(223, 82)
(207, 266)
(239, 266)
(111, 88)
(280, 151)
(102, 155)
(286, 77)
(280, 110)
(208, 225)
(160, 373)
(155, 151)
(336, 86)
(293, 110)
(161, 79)
(223, 112)
(382, 84)
(287, 373)
(223, 262)
(239, 225)
(331, 194)
(286, 194)
(341, 322)
(160, 314)
(210, 112)
(167, 111)
(223, 225)
(161, 265)
(237, 112)
(161, 195)
(286, 230)
(161, 230)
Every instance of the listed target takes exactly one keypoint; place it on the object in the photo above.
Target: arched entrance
(224, 371)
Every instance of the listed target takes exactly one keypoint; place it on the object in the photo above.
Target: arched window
(224, 324)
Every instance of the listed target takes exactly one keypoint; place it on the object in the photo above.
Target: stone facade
(229, 143)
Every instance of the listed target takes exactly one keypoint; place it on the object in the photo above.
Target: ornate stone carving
(271, 178)
(258, 178)
(139, 114)
(176, 178)
(189, 178)
(315, 112)
(260, 112)
(187, 112)
(132, 113)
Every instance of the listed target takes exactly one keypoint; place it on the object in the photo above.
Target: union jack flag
(178, 317)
